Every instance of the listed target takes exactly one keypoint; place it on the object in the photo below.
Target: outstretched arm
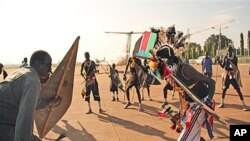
(126, 69)
(222, 64)
(192, 73)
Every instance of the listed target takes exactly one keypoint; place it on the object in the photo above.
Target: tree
(241, 44)
(194, 50)
(211, 44)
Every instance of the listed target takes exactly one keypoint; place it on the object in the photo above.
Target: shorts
(95, 90)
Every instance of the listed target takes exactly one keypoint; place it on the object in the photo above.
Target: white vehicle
(199, 60)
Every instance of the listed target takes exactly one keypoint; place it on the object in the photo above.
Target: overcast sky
(53, 25)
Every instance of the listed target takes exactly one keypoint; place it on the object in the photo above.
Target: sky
(53, 25)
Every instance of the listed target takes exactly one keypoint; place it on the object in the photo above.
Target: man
(134, 64)
(91, 83)
(207, 66)
(113, 87)
(2, 72)
(19, 94)
(203, 87)
(230, 64)
(24, 62)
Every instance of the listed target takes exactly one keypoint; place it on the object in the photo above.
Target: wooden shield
(60, 84)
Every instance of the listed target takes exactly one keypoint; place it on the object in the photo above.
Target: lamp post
(219, 41)
(219, 47)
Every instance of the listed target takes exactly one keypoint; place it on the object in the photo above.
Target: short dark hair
(86, 53)
(38, 56)
(25, 59)
(1, 65)
(230, 48)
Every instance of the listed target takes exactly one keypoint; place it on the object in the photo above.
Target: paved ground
(120, 124)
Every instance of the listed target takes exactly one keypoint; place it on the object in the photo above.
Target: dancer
(113, 87)
(230, 64)
(133, 80)
(91, 83)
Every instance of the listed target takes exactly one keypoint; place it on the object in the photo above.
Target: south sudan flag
(147, 43)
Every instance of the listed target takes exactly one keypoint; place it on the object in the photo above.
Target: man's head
(113, 65)
(206, 54)
(230, 50)
(87, 56)
(165, 52)
(25, 59)
(41, 61)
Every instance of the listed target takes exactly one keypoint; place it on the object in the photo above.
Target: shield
(60, 84)
(196, 99)
(115, 79)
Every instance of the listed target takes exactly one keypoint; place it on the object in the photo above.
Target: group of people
(200, 83)
(88, 70)
(20, 90)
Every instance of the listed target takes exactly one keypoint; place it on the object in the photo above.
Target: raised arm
(126, 69)
(222, 64)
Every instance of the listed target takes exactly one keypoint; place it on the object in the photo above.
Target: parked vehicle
(199, 60)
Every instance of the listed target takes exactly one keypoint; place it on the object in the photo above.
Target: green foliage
(211, 44)
(194, 50)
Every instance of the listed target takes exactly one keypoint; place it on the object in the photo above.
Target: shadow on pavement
(144, 129)
(72, 133)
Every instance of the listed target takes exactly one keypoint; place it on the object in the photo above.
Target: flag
(147, 43)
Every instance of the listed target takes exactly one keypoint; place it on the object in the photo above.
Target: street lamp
(219, 42)
(219, 46)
